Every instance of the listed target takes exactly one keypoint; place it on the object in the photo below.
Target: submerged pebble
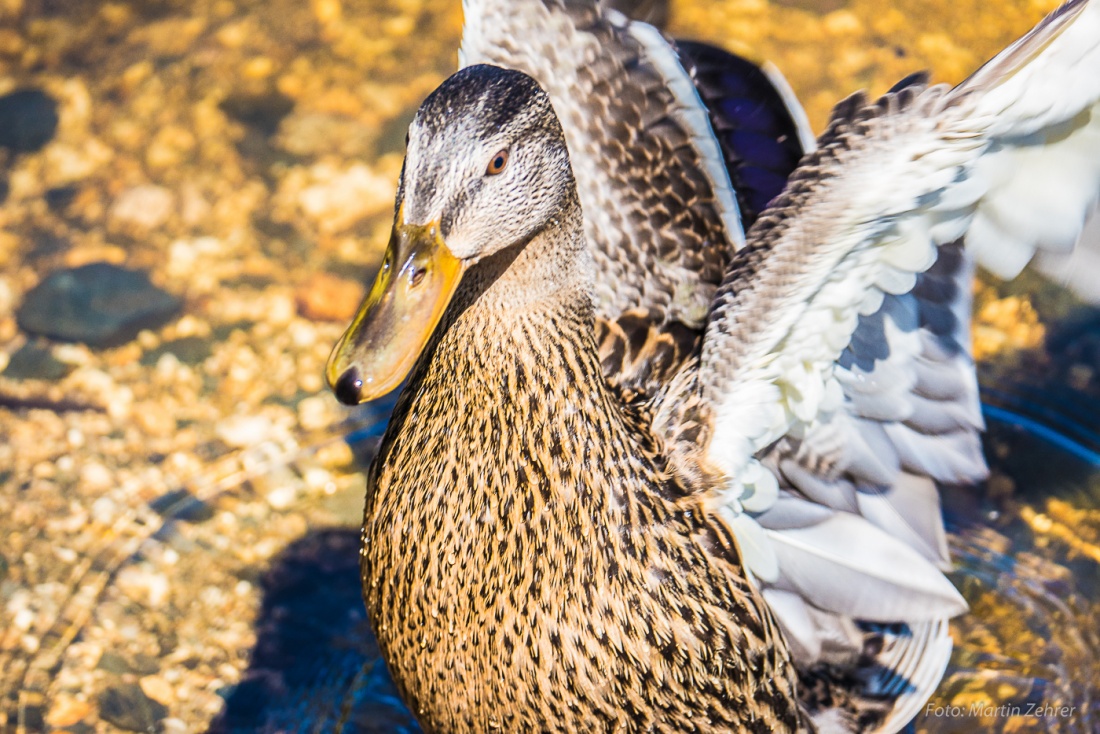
(98, 304)
(141, 209)
(28, 120)
(189, 350)
(112, 662)
(263, 112)
(128, 707)
(325, 297)
(35, 362)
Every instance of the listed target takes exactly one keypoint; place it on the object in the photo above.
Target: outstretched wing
(835, 390)
(660, 209)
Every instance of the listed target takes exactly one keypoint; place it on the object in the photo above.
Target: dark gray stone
(98, 304)
(140, 664)
(112, 662)
(127, 707)
(191, 350)
(35, 362)
(263, 112)
(179, 504)
(143, 664)
(59, 198)
(28, 120)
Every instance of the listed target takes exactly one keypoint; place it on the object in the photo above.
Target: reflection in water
(1027, 544)
(1030, 645)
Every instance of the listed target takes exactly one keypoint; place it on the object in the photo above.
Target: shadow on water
(316, 666)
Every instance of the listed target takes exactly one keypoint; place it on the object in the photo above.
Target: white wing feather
(840, 359)
(906, 185)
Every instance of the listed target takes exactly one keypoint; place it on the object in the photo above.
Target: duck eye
(497, 164)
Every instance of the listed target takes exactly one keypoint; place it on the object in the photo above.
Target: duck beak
(418, 277)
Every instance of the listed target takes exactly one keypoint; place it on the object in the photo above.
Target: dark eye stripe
(497, 164)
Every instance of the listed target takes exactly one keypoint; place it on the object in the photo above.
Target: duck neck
(551, 272)
(514, 366)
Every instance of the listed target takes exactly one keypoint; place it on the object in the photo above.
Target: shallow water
(178, 507)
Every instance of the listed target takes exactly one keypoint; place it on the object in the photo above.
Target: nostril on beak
(348, 387)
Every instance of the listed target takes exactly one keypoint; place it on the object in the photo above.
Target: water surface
(242, 157)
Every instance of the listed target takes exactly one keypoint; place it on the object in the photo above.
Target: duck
(585, 521)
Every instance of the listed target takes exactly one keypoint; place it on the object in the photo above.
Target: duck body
(572, 583)
(587, 516)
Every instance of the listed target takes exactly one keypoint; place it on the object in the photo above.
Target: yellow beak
(419, 275)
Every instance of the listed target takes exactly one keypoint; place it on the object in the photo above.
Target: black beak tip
(348, 387)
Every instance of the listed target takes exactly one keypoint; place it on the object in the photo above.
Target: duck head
(486, 168)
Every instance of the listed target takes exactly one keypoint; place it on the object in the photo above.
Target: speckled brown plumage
(513, 587)
(640, 351)
(529, 563)
(540, 548)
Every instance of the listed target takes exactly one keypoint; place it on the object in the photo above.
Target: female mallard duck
(653, 531)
